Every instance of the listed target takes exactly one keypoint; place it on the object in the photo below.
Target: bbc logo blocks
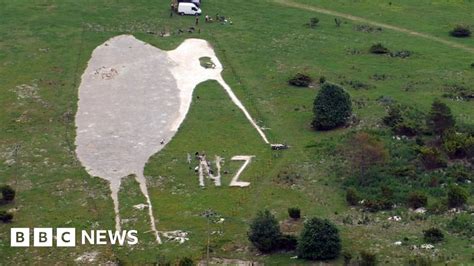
(43, 237)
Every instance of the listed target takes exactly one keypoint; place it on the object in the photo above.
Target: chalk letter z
(235, 180)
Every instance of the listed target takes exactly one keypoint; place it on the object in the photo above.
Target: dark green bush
(459, 173)
(457, 196)
(375, 205)
(417, 200)
(313, 22)
(332, 107)
(406, 129)
(287, 243)
(462, 224)
(461, 31)
(367, 258)
(433, 235)
(378, 48)
(264, 232)
(393, 117)
(431, 158)
(458, 145)
(8, 193)
(437, 207)
(351, 197)
(404, 120)
(5, 217)
(300, 80)
(186, 262)
(319, 240)
(294, 213)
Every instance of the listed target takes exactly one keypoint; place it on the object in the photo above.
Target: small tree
(264, 232)
(5, 217)
(457, 196)
(417, 200)
(440, 119)
(363, 152)
(433, 235)
(332, 107)
(319, 240)
(8, 193)
(294, 213)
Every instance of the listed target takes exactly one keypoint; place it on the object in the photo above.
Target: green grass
(48, 43)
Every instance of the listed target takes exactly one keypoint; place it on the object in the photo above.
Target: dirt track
(374, 23)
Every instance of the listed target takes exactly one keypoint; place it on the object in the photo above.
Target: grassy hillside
(45, 46)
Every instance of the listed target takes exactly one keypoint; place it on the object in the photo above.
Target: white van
(188, 9)
(196, 2)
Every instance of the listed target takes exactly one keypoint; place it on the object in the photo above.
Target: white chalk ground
(131, 97)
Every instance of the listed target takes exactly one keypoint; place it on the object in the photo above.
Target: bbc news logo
(66, 237)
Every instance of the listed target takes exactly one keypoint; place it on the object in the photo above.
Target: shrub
(457, 196)
(440, 119)
(367, 259)
(462, 224)
(459, 173)
(417, 200)
(300, 80)
(460, 31)
(420, 261)
(347, 257)
(322, 79)
(393, 117)
(459, 145)
(351, 197)
(375, 205)
(313, 22)
(319, 240)
(332, 107)
(8, 193)
(431, 158)
(186, 262)
(5, 217)
(404, 120)
(264, 232)
(294, 213)
(287, 243)
(433, 235)
(378, 48)
(437, 207)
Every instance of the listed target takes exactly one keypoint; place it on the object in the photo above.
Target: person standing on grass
(197, 20)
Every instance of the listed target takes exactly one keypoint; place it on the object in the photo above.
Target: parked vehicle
(188, 9)
(196, 2)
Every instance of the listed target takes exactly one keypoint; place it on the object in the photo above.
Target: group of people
(221, 19)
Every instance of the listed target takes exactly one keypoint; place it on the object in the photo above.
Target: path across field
(375, 23)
